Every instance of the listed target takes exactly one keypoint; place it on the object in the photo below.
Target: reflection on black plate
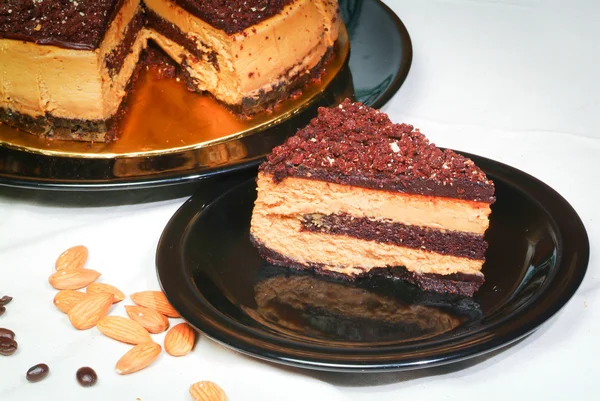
(381, 55)
(537, 257)
(375, 310)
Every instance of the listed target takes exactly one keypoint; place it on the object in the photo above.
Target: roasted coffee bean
(5, 300)
(37, 373)
(6, 333)
(86, 376)
(2, 310)
(8, 346)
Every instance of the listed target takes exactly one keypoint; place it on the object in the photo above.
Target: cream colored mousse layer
(257, 60)
(312, 196)
(66, 83)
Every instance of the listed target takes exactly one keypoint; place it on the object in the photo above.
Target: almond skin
(123, 329)
(95, 288)
(88, 312)
(154, 300)
(67, 299)
(180, 339)
(137, 358)
(72, 258)
(152, 321)
(207, 391)
(72, 279)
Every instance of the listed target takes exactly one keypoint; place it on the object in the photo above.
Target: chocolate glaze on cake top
(233, 16)
(354, 144)
(77, 24)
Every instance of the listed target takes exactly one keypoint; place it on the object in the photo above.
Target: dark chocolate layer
(452, 243)
(172, 32)
(233, 16)
(354, 144)
(116, 58)
(459, 284)
(58, 128)
(72, 24)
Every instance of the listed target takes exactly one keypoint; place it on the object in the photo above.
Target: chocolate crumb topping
(233, 16)
(77, 24)
(354, 144)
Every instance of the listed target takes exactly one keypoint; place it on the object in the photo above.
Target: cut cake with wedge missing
(353, 194)
(66, 66)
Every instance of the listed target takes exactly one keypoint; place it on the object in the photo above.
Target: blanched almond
(72, 279)
(123, 329)
(137, 358)
(95, 288)
(152, 321)
(155, 300)
(72, 258)
(88, 312)
(180, 339)
(67, 299)
(207, 391)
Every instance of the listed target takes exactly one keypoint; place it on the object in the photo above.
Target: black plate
(537, 257)
(381, 55)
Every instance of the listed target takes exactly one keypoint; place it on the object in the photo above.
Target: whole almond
(180, 339)
(95, 288)
(67, 299)
(152, 321)
(123, 329)
(207, 391)
(155, 300)
(88, 312)
(137, 358)
(72, 258)
(72, 279)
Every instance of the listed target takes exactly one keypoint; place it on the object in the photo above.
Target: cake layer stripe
(453, 243)
(172, 32)
(473, 191)
(329, 198)
(458, 283)
(351, 255)
(115, 59)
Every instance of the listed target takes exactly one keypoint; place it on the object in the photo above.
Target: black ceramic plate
(537, 257)
(381, 55)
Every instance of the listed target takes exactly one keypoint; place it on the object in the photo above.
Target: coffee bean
(37, 372)
(5, 300)
(86, 376)
(8, 346)
(6, 333)
(2, 310)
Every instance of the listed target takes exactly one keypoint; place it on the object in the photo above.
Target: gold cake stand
(165, 118)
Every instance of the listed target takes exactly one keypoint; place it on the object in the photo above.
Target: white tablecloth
(513, 80)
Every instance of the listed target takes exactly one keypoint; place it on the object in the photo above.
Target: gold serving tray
(164, 117)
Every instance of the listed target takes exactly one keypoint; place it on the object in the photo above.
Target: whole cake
(66, 65)
(353, 194)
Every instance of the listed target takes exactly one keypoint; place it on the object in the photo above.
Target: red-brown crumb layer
(354, 144)
(233, 16)
(78, 24)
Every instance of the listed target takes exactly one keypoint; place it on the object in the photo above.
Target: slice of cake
(353, 194)
(66, 66)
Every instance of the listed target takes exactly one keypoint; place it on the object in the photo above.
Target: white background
(517, 81)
